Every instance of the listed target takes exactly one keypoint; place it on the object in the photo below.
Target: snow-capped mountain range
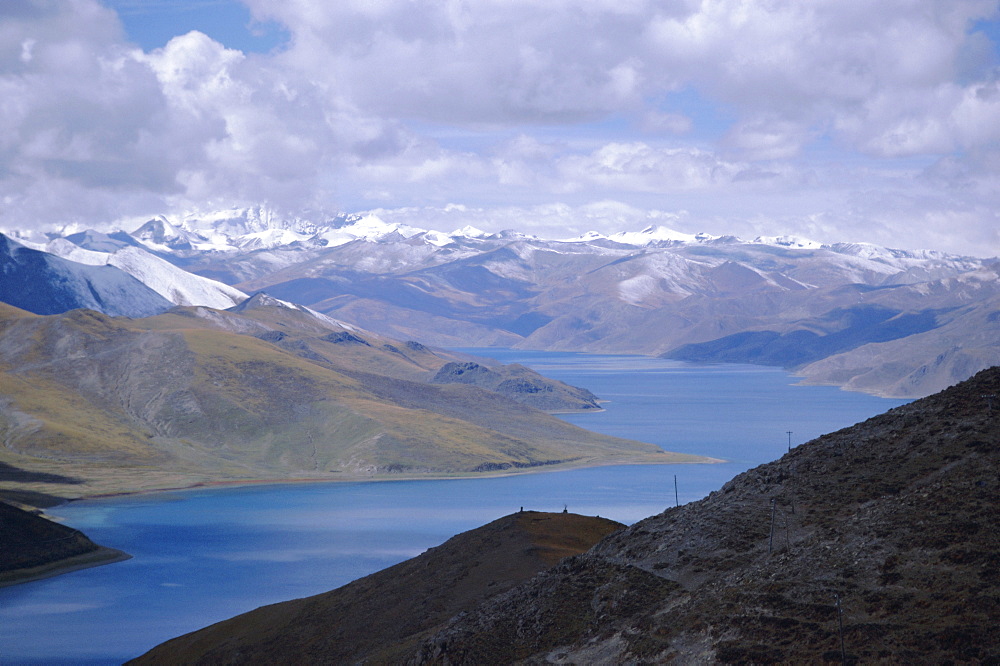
(244, 230)
(855, 314)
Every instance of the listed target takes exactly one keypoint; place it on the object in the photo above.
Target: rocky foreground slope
(888, 527)
(383, 617)
(874, 544)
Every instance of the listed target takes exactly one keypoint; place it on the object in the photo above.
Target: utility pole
(770, 538)
(789, 440)
(677, 501)
(840, 627)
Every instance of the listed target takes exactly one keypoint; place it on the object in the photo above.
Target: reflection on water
(203, 556)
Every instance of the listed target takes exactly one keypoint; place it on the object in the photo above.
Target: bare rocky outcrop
(518, 383)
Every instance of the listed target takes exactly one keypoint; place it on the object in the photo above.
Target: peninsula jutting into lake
(204, 555)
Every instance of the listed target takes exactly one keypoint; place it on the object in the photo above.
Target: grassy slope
(381, 618)
(194, 397)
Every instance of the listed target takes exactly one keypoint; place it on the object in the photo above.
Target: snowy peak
(172, 283)
(157, 230)
(651, 235)
(794, 242)
(160, 235)
(101, 242)
(235, 222)
(264, 301)
(468, 231)
(268, 239)
(44, 283)
(587, 237)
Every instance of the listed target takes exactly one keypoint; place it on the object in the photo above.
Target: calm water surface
(203, 556)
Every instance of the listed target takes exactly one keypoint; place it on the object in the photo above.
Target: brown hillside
(382, 618)
(269, 392)
(894, 519)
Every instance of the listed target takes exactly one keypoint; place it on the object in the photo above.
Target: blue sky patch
(152, 23)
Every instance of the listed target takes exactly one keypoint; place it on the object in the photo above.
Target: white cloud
(655, 122)
(806, 110)
(640, 167)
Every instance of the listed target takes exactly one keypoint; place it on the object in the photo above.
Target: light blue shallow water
(203, 556)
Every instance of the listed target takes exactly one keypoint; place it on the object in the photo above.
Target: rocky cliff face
(887, 529)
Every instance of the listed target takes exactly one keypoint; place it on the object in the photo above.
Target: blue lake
(203, 556)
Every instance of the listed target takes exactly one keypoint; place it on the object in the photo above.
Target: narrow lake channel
(203, 556)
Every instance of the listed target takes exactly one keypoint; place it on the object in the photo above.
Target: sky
(834, 120)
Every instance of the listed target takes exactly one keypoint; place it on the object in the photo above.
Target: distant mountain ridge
(120, 250)
(776, 300)
(46, 284)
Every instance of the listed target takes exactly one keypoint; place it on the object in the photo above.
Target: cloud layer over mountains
(835, 120)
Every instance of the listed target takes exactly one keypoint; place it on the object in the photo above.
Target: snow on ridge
(794, 242)
(636, 289)
(469, 231)
(330, 320)
(878, 252)
(438, 238)
(174, 284)
(264, 299)
(651, 234)
(586, 237)
(268, 239)
(372, 227)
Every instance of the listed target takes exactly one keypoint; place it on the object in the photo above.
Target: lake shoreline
(251, 539)
(95, 558)
(540, 469)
